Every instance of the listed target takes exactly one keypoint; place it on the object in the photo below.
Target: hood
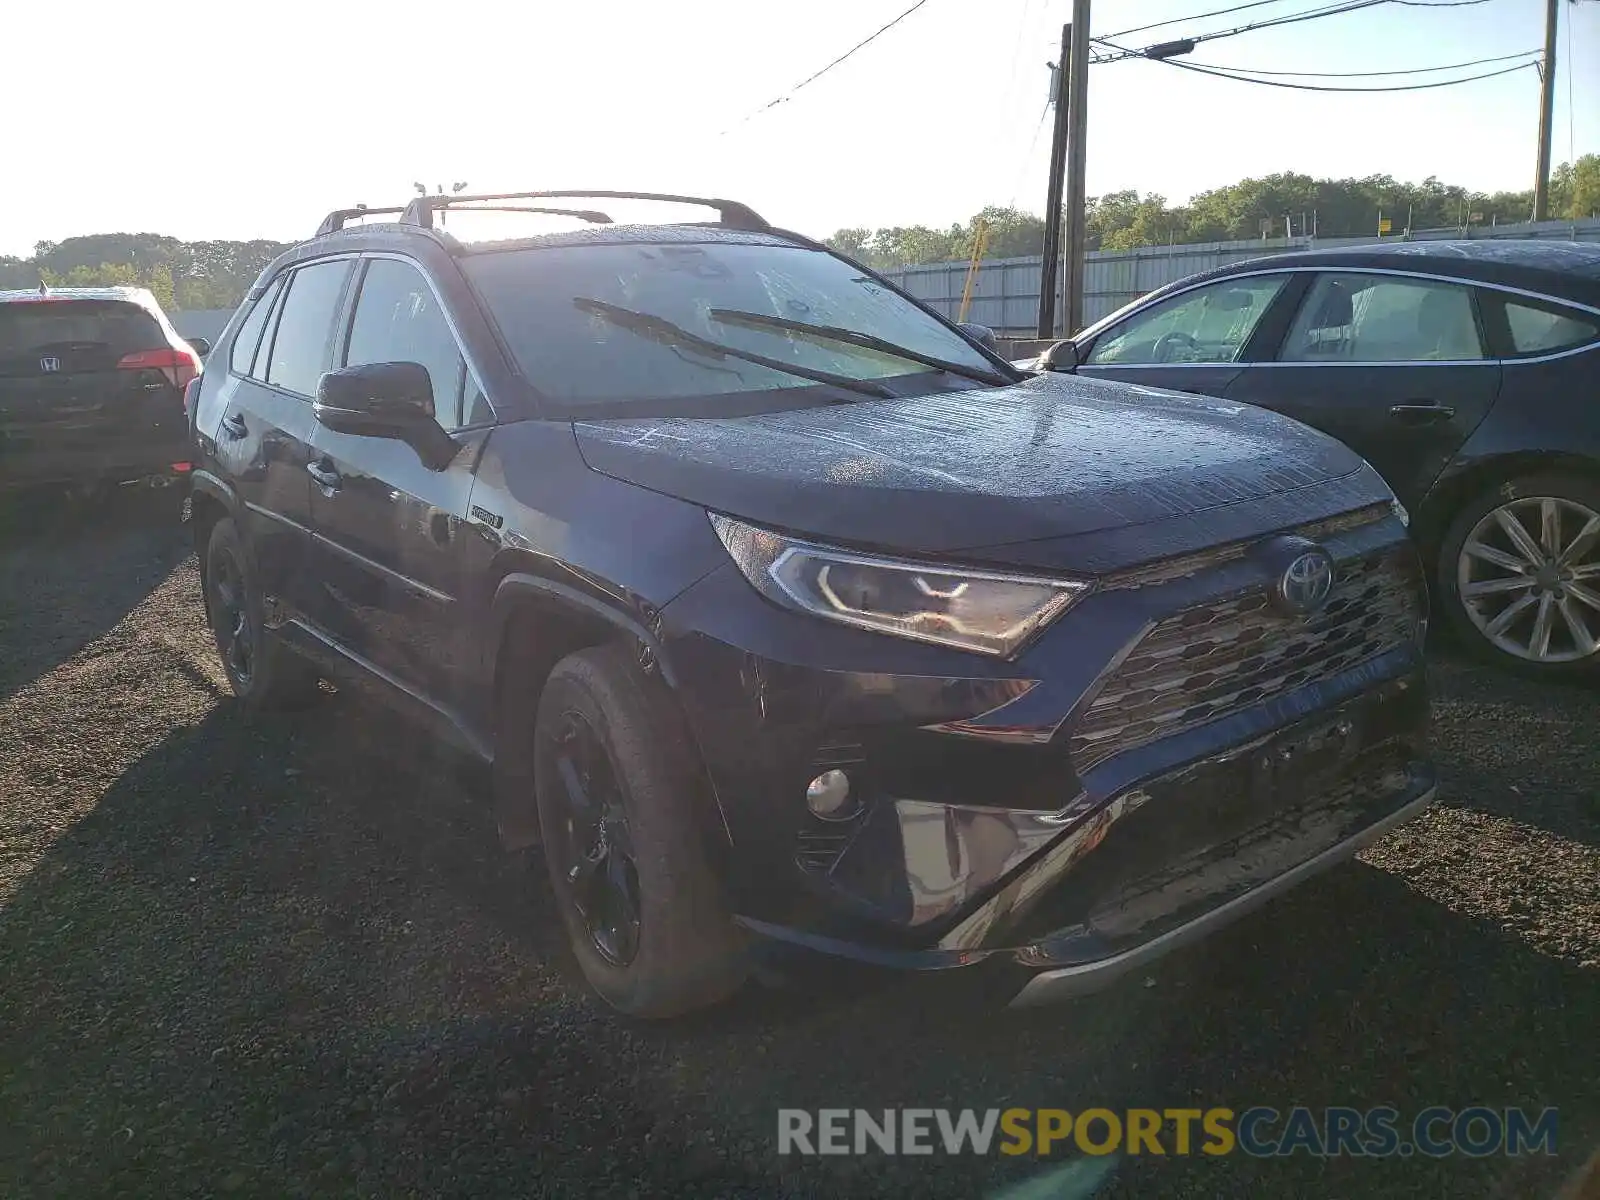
(1051, 457)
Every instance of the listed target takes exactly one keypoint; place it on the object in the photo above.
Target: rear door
(1395, 366)
(1192, 341)
(90, 390)
(388, 549)
(262, 439)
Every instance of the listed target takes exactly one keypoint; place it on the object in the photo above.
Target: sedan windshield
(587, 324)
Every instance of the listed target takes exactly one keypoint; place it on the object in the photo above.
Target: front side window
(305, 326)
(241, 358)
(1545, 329)
(598, 325)
(397, 319)
(1384, 318)
(1207, 325)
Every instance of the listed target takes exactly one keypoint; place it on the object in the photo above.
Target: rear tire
(628, 838)
(1518, 576)
(261, 670)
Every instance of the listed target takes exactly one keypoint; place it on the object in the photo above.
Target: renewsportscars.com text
(1259, 1131)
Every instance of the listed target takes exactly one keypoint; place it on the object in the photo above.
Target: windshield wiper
(855, 337)
(661, 330)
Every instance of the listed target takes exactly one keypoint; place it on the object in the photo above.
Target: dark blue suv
(794, 621)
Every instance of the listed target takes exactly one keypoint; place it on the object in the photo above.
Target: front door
(1394, 366)
(388, 547)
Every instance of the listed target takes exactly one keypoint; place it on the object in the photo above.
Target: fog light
(828, 795)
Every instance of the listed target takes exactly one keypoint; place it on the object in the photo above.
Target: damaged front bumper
(1161, 863)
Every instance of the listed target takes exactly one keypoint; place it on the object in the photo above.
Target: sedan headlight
(1400, 511)
(989, 612)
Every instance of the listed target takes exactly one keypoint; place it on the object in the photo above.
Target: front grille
(1186, 565)
(1219, 658)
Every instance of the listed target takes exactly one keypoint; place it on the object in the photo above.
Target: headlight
(1400, 511)
(988, 612)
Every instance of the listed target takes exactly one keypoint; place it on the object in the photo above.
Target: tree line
(182, 275)
(1251, 208)
(190, 275)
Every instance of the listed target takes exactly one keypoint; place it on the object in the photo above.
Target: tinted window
(398, 320)
(77, 335)
(1382, 318)
(300, 346)
(551, 304)
(249, 336)
(1208, 325)
(1540, 329)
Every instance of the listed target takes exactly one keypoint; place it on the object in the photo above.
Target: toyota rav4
(794, 621)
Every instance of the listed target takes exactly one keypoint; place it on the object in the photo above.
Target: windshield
(579, 353)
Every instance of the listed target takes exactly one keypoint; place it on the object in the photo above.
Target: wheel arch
(1452, 491)
(210, 500)
(534, 622)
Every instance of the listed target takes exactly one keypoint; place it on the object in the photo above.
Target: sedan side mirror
(201, 346)
(981, 334)
(1063, 356)
(386, 400)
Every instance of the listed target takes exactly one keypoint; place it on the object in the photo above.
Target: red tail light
(179, 366)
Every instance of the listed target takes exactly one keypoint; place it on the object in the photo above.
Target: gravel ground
(287, 959)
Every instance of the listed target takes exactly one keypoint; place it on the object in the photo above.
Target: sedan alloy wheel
(1529, 579)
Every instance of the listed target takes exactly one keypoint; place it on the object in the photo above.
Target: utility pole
(1547, 100)
(1078, 127)
(1052, 203)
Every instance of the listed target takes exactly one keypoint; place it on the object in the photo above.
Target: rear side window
(1547, 328)
(305, 327)
(248, 338)
(63, 336)
(398, 320)
(1384, 318)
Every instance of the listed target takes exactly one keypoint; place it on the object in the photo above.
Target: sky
(250, 119)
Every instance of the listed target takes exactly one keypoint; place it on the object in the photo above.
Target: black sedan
(1467, 373)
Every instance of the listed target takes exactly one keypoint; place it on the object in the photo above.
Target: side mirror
(386, 400)
(201, 346)
(1062, 356)
(981, 334)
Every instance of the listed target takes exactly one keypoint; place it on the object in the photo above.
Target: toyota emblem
(1305, 583)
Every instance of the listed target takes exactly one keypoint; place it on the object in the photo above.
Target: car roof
(131, 295)
(585, 235)
(1557, 268)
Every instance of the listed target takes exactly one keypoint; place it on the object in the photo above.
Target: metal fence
(1005, 295)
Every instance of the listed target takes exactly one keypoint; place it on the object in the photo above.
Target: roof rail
(731, 213)
(335, 220)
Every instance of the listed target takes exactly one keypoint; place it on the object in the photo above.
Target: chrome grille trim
(1219, 658)
(1186, 565)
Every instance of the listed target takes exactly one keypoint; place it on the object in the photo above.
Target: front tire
(617, 792)
(1519, 575)
(262, 672)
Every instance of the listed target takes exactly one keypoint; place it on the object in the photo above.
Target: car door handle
(1417, 414)
(235, 426)
(327, 478)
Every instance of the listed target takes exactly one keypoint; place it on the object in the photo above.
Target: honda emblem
(49, 365)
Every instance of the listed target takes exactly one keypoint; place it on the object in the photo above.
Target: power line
(1438, 3)
(1219, 12)
(818, 74)
(1477, 62)
(1310, 87)
(1313, 14)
